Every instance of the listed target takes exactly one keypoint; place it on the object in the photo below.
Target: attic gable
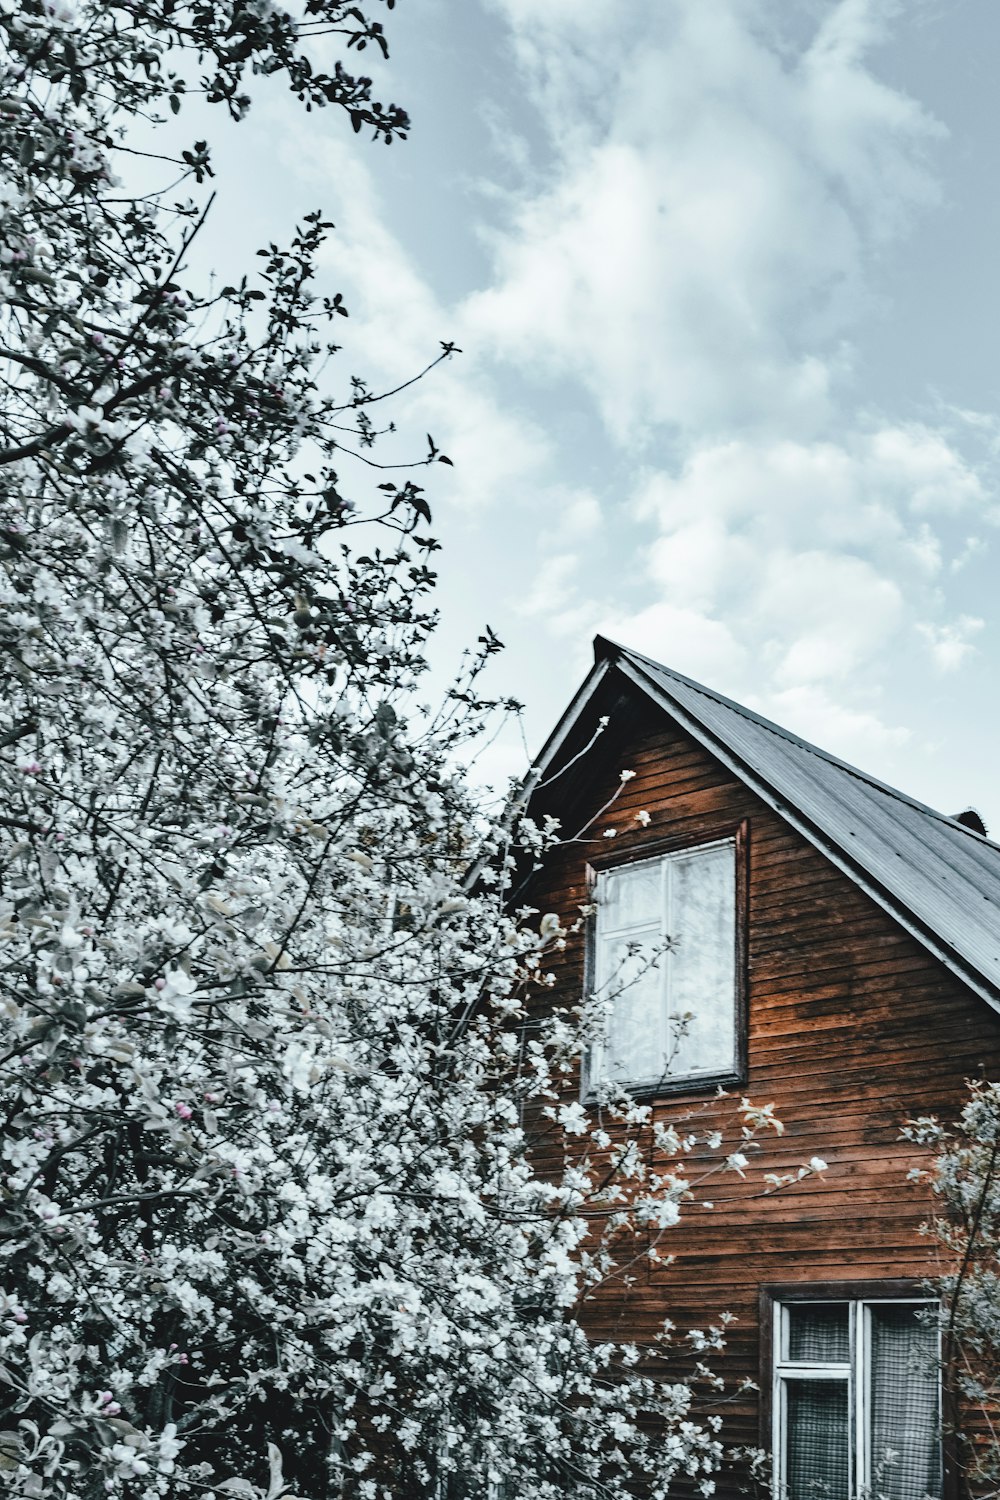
(939, 879)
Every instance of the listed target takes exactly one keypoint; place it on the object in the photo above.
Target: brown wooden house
(836, 949)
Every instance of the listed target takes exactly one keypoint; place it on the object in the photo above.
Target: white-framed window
(856, 1400)
(664, 959)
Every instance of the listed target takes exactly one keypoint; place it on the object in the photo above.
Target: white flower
(572, 1118)
(169, 1445)
(173, 997)
(298, 1065)
(129, 1463)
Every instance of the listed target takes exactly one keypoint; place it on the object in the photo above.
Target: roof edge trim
(559, 735)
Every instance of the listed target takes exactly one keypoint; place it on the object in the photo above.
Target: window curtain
(905, 1420)
(703, 961)
(819, 1461)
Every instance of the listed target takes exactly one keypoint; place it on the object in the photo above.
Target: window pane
(905, 1418)
(629, 971)
(818, 1453)
(819, 1332)
(630, 896)
(702, 924)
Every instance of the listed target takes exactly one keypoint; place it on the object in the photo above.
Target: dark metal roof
(939, 879)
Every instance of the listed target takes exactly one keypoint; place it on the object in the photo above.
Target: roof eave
(557, 739)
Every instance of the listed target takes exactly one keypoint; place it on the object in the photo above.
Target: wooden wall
(853, 1027)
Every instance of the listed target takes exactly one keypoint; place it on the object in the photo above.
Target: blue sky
(725, 277)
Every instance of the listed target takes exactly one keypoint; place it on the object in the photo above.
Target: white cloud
(857, 734)
(923, 464)
(552, 588)
(950, 644)
(822, 615)
(738, 510)
(580, 514)
(855, 489)
(972, 547)
(925, 548)
(801, 567)
(687, 640)
(696, 258)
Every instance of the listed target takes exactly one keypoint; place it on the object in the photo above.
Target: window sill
(671, 1088)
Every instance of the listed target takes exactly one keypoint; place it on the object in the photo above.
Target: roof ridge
(792, 738)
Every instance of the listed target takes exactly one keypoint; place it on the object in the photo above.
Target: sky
(725, 278)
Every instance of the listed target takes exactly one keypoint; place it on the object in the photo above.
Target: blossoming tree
(965, 1237)
(268, 1219)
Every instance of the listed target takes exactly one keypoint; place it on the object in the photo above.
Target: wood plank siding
(853, 1026)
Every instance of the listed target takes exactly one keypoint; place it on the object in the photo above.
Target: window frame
(647, 849)
(774, 1371)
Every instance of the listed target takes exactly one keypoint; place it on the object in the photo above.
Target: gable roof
(937, 878)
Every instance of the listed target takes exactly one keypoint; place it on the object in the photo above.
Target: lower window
(856, 1400)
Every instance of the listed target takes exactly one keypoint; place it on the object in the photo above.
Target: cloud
(819, 616)
(865, 490)
(922, 464)
(950, 644)
(552, 589)
(857, 734)
(700, 250)
(737, 510)
(803, 568)
(686, 639)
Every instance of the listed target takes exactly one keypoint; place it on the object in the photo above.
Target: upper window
(664, 957)
(856, 1401)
